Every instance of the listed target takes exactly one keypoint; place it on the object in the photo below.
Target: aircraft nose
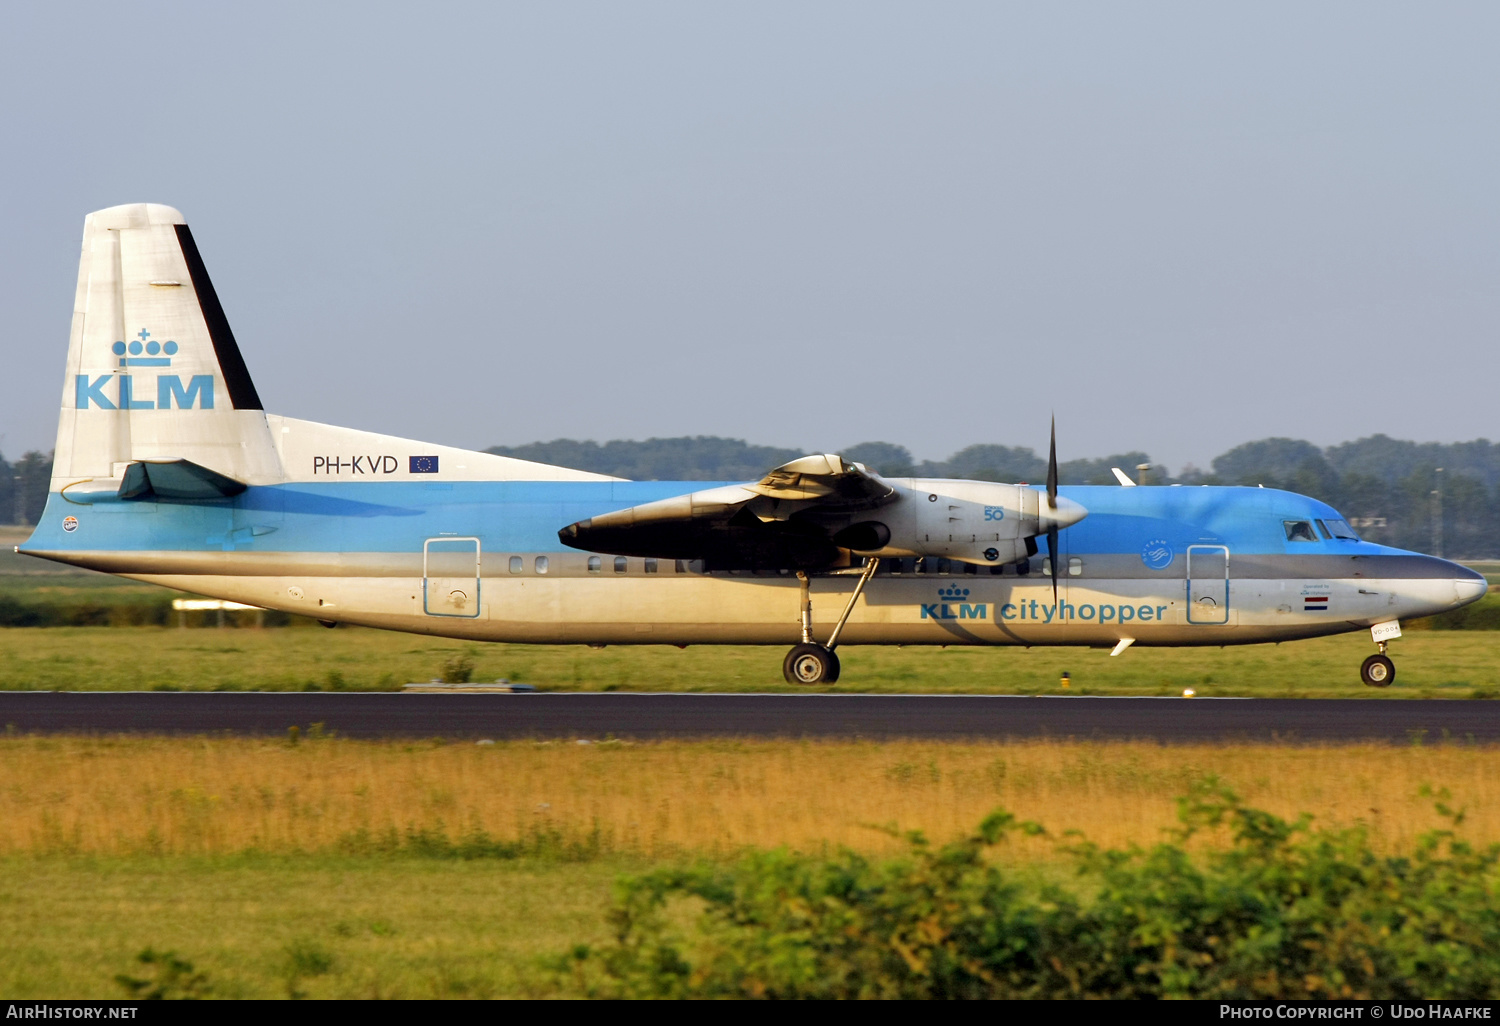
(1066, 514)
(1469, 587)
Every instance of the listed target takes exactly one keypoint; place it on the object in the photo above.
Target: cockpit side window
(1299, 531)
(1323, 530)
(1342, 530)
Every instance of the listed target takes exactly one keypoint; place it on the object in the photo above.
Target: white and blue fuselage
(169, 470)
(1160, 565)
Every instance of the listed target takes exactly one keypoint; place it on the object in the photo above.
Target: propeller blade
(1052, 468)
(1052, 504)
(1052, 559)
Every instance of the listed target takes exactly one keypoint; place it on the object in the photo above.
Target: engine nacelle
(971, 521)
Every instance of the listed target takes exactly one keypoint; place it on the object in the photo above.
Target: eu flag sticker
(424, 464)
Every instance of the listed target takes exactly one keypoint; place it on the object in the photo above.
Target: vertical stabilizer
(154, 372)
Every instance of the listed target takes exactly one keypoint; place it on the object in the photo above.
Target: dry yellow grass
(219, 795)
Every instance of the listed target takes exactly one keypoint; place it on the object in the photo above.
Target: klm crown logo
(151, 348)
(144, 351)
(953, 594)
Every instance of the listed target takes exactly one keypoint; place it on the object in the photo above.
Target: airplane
(169, 470)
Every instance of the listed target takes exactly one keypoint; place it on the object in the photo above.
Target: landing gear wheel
(1378, 671)
(810, 664)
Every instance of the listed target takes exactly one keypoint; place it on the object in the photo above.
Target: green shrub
(540, 841)
(458, 669)
(167, 978)
(304, 959)
(1284, 910)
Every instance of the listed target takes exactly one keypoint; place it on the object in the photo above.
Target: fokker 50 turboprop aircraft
(169, 470)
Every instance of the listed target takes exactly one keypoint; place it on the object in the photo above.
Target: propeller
(1052, 505)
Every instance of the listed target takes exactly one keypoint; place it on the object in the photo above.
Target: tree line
(23, 487)
(1429, 497)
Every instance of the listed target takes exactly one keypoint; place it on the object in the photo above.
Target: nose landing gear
(1378, 671)
(809, 662)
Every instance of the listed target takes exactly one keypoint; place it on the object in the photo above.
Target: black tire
(1378, 672)
(810, 664)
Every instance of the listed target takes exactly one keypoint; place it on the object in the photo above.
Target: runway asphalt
(623, 715)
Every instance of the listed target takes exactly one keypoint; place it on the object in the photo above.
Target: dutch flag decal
(1315, 603)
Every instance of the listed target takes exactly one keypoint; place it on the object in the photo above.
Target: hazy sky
(1180, 226)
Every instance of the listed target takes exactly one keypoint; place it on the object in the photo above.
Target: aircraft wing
(778, 521)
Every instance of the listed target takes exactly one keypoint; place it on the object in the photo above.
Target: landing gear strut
(809, 662)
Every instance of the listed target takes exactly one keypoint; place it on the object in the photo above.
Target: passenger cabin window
(1075, 566)
(650, 566)
(620, 563)
(541, 564)
(515, 564)
(1299, 531)
(595, 563)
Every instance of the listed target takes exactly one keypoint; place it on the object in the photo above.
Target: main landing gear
(809, 662)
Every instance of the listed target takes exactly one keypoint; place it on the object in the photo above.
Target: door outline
(1208, 589)
(427, 594)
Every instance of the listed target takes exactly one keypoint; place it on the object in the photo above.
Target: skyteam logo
(952, 604)
(1157, 554)
(143, 351)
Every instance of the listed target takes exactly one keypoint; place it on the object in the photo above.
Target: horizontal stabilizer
(182, 480)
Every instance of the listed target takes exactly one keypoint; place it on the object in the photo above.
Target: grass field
(263, 862)
(226, 796)
(324, 927)
(1430, 664)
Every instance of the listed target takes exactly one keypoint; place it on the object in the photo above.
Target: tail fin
(154, 372)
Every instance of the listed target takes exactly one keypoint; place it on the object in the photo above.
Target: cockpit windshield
(1339, 529)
